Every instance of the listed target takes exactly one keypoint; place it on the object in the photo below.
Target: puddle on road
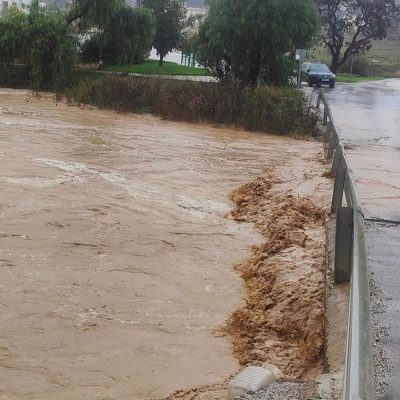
(128, 270)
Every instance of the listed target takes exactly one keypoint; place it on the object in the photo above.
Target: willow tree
(247, 41)
(97, 13)
(128, 37)
(41, 41)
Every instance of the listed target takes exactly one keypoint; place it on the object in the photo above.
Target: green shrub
(360, 66)
(268, 109)
(14, 76)
(91, 49)
(280, 110)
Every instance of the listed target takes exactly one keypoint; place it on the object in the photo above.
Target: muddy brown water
(116, 261)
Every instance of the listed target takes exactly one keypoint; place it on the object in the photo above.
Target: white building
(58, 3)
(195, 7)
(6, 4)
(195, 11)
(23, 4)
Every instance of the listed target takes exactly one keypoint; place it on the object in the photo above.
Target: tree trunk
(73, 17)
(161, 63)
(335, 62)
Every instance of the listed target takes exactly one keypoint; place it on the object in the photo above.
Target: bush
(268, 109)
(90, 49)
(360, 66)
(385, 71)
(280, 110)
(14, 76)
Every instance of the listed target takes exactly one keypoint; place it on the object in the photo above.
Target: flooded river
(116, 260)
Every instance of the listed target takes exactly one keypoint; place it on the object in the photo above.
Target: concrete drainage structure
(250, 380)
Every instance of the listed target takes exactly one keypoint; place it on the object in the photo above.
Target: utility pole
(351, 65)
(301, 55)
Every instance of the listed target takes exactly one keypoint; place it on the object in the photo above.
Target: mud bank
(282, 320)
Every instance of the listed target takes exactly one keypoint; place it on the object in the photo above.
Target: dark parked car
(318, 74)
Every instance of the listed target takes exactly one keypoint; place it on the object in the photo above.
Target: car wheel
(309, 82)
(332, 85)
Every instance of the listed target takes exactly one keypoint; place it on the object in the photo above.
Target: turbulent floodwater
(116, 261)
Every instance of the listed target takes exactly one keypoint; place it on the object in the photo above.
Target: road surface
(368, 119)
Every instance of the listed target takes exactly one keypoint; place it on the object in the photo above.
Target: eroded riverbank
(115, 250)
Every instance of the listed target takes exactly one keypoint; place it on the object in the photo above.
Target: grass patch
(268, 109)
(347, 78)
(151, 67)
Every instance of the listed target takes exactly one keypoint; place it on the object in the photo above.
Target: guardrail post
(327, 135)
(337, 158)
(326, 112)
(338, 189)
(344, 243)
(319, 100)
(332, 145)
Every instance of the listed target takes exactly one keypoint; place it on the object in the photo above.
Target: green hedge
(16, 76)
(269, 109)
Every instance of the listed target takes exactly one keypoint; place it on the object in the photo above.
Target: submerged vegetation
(268, 109)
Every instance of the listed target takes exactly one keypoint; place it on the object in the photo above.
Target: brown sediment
(281, 321)
(207, 392)
(282, 318)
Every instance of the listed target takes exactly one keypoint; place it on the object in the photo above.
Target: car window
(319, 68)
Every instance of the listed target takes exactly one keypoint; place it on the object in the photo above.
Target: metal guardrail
(350, 265)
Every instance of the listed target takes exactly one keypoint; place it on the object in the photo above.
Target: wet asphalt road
(368, 119)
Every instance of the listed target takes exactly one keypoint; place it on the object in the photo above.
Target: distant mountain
(195, 3)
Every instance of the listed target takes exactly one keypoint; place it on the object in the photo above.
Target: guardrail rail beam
(351, 264)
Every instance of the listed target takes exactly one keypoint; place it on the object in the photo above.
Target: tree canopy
(126, 39)
(129, 35)
(170, 21)
(39, 40)
(247, 41)
(90, 13)
(350, 26)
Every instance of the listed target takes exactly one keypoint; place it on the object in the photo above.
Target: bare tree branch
(361, 21)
